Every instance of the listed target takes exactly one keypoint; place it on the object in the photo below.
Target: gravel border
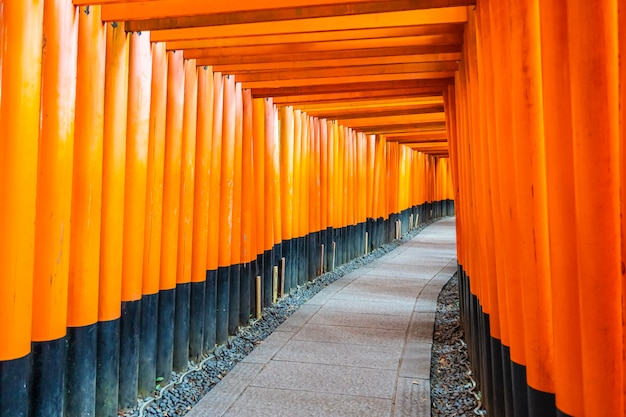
(186, 389)
(453, 392)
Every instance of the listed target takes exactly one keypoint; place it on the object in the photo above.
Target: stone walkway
(360, 347)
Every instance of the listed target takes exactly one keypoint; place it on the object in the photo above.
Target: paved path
(360, 347)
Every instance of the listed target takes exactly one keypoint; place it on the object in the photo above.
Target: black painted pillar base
(540, 403)
(196, 321)
(520, 393)
(223, 294)
(129, 354)
(165, 335)
(507, 383)
(181, 327)
(245, 283)
(301, 259)
(497, 378)
(80, 370)
(107, 371)
(234, 299)
(266, 279)
(47, 378)
(210, 311)
(15, 392)
(148, 345)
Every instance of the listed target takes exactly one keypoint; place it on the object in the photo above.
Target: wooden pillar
(112, 225)
(52, 220)
(171, 210)
(153, 223)
(137, 140)
(593, 65)
(202, 198)
(185, 219)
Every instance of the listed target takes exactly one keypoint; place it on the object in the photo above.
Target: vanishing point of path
(360, 347)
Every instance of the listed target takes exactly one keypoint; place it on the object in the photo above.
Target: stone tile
(351, 335)
(364, 356)
(265, 402)
(376, 321)
(224, 394)
(299, 318)
(416, 360)
(321, 297)
(346, 380)
(264, 352)
(369, 307)
(384, 294)
(422, 327)
(426, 304)
(412, 398)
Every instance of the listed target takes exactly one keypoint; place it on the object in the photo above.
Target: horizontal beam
(309, 98)
(138, 18)
(394, 120)
(357, 87)
(368, 21)
(217, 41)
(375, 112)
(314, 47)
(349, 71)
(400, 128)
(329, 81)
(382, 104)
(330, 63)
(327, 55)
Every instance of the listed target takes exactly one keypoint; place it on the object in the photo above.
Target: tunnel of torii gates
(170, 167)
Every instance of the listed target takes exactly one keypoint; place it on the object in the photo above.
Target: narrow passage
(360, 347)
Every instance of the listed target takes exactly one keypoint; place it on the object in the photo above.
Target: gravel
(453, 391)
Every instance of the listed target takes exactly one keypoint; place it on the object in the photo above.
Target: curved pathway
(360, 347)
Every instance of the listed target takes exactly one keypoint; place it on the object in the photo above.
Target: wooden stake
(322, 260)
(275, 284)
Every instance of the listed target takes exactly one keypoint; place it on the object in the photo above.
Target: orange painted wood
(593, 65)
(311, 63)
(561, 212)
(291, 58)
(250, 199)
(137, 143)
(417, 17)
(338, 9)
(54, 166)
(505, 163)
(187, 174)
(349, 71)
(147, 9)
(298, 168)
(273, 226)
(19, 121)
(324, 173)
(260, 174)
(155, 166)
(82, 303)
(203, 174)
(228, 173)
(113, 173)
(287, 133)
(237, 177)
(87, 193)
(216, 173)
(172, 169)
(531, 196)
(215, 40)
